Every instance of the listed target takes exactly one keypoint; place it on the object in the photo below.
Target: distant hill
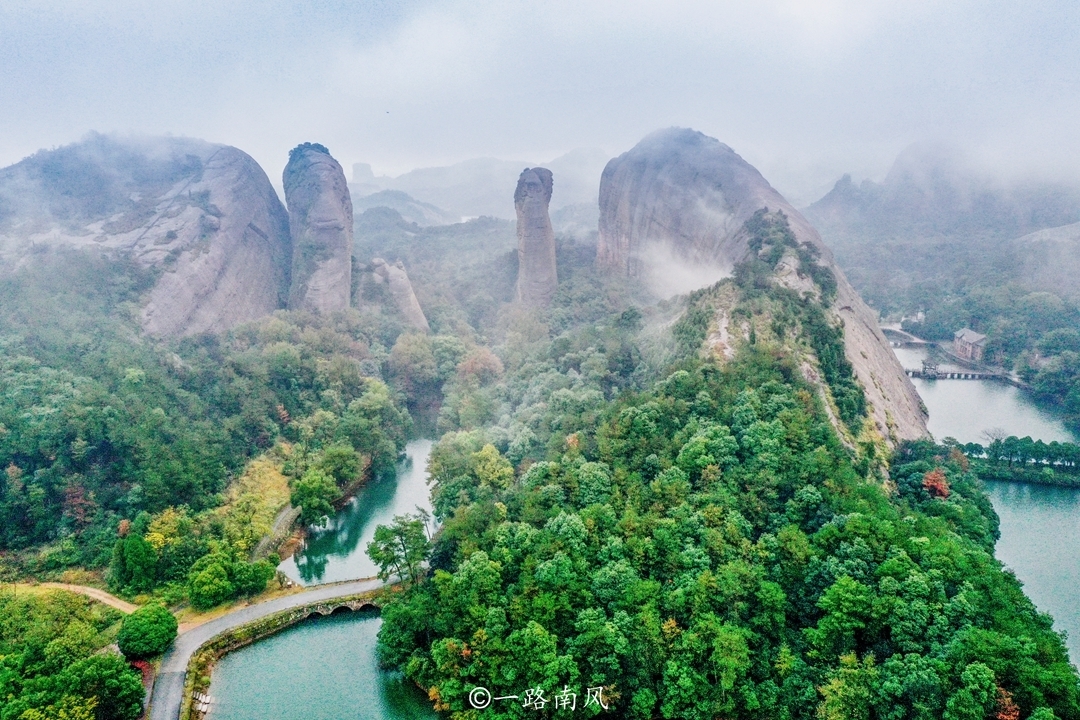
(1051, 259)
(934, 191)
(485, 186)
(411, 209)
(937, 225)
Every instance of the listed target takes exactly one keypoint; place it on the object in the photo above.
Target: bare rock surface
(671, 214)
(204, 213)
(396, 280)
(537, 273)
(321, 222)
(1050, 259)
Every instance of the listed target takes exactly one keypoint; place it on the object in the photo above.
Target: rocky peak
(205, 214)
(673, 212)
(396, 280)
(321, 223)
(537, 273)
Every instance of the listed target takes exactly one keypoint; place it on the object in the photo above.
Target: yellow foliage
(254, 500)
(156, 540)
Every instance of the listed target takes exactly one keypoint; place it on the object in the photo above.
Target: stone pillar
(537, 274)
(321, 224)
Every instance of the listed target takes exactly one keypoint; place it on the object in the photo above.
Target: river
(338, 550)
(326, 669)
(1040, 525)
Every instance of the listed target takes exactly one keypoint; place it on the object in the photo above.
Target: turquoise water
(338, 550)
(320, 669)
(1040, 541)
(1040, 525)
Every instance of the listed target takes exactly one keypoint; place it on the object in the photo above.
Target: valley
(675, 460)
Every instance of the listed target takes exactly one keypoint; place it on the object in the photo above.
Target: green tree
(340, 462)
(209, 586)
(976, 698)
(147, 632)
(69, 707)
(117, 687)
(313, 493)
(400, 549)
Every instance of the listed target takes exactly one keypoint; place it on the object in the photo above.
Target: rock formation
(401, 292)
(205, 214)
(537, 275)
(673, 207)
(321, 221)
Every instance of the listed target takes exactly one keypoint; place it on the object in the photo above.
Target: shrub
(147, 632)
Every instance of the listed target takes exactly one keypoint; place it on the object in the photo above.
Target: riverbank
(200, 667)
(1042, 475)
(336, 550)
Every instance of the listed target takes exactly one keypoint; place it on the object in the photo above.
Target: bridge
(953, 375)
(167, 697)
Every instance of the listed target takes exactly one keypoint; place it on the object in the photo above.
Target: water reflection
(967, 409)
(337, 551)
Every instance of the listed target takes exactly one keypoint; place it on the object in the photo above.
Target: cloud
(804, 89)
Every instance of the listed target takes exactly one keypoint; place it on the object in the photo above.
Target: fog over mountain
(807, 91)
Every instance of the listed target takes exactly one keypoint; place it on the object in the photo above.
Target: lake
(1040, 525)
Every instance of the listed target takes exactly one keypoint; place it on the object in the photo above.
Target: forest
(705, 544)
(976, 282)
(121, 452)
(621, 513)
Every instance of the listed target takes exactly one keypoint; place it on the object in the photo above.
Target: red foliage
(283, 415)
(77, 505)
(124, 529)
(481, 364)
(936, 484)
(1006, 709)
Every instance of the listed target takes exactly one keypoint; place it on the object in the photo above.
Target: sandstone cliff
(396, 281)
(537, 274)
(672, 211)
(205, 214)
(321, 221)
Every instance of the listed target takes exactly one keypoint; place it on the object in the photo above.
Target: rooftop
(969, 336)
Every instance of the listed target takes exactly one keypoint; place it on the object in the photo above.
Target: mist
(805, 91)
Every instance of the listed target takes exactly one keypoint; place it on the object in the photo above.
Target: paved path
(92, 592)
(169, 685)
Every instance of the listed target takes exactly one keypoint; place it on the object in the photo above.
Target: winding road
(168, 693)
(91, 592)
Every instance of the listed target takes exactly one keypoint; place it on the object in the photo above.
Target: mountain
(413, 210)
(204, 216)
(933, 191)
(321, 224)
(1050, 258)
(681, 211)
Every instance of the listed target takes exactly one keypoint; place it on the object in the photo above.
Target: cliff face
(537, 274)
(675, 206)
(204, 213)
(396, 281)
(321, 221)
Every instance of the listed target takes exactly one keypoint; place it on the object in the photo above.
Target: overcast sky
(803, 89)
